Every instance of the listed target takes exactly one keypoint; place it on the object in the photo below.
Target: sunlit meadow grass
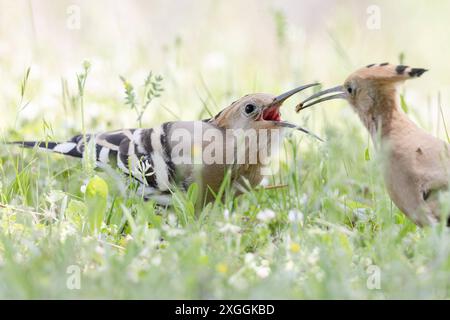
(332, 232)
(316, 238)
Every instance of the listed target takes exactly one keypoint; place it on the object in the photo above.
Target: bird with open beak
(177, 154)
(417, 166)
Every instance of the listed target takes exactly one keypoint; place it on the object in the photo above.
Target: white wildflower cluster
(238, 280)
(295, 216)
(253, 265)
(66, 229)
(314, 256)
(147, 257)
(312, 267)
(50, 183)
(304, 199)
(302, 263)
(228, 227)
(259, 265)
(363, 214)
(143, 169)
(139, 264)
(53, 197)
(266, 215)
(171, 227)
(316, 231)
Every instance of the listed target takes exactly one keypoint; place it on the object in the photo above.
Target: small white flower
(421, 270)
(266, 215)
(264, 182)
(202, 235)
(55, 196)
(367, 261)
(238, 282)
(314, 256)
(264, 262)
(320, 275)
(172, 226)
(316, 231)
(67, 230)
(249, 258)
(303, 199)
(172, 219)
(289, 265)
(295, 216)
(362, 214)
(83, 189)
(262, 271)
(136, 266)
(156, 260)
(100, 250)
(226, 214)
(173, 231)
(229, 228)
(143, 169)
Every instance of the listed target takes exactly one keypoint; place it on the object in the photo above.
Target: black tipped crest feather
(400, 69)
(417, 72)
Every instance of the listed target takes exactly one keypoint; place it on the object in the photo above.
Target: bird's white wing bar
(65, 147)
(104, 155)
(160, 165)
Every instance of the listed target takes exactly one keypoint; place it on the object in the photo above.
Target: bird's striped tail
(73, 148)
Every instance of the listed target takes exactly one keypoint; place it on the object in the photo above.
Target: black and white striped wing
(144, 154)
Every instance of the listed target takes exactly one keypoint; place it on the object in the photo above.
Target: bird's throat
(382, 125)
(272, 114)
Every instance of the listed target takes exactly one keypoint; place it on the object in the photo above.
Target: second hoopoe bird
(176, 154)
(418, 164)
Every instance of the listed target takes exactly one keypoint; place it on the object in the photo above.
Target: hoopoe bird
(164, 158)
(417, 164)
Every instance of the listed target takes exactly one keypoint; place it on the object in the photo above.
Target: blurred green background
(211, 52)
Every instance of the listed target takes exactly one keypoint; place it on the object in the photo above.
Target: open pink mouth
(272, 114)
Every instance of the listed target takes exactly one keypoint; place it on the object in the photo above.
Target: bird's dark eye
(250, 108)
(349, 90)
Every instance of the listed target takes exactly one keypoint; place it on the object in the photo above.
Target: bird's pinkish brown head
(257, 111)
(370, 90)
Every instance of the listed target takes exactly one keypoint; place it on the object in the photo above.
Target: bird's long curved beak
(339, 94)
(282, 97)
(287, 124)
(271, 111)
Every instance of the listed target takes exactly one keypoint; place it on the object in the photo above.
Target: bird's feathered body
(238, 140)
(417, 164)
(146, 156)
(417, 168)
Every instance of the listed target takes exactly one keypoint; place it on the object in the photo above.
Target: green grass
(332, 222)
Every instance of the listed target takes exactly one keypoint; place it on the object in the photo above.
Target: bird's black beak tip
(321, 96)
